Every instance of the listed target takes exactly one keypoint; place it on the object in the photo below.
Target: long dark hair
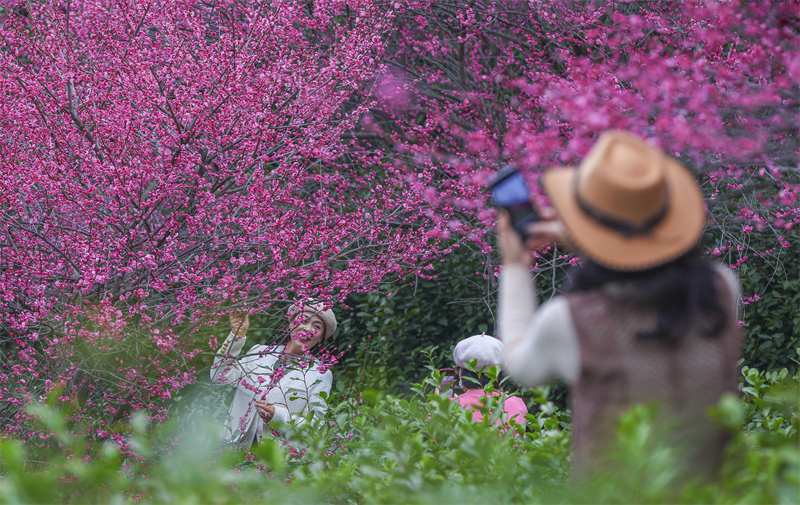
(680, 291)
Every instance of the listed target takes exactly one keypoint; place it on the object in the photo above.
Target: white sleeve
(540, 343)
(316, 403)
(226, 368)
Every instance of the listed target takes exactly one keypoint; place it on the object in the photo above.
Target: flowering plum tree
(471, 85)
(715, 84)
(167, 162)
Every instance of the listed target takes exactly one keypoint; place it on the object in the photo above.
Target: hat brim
(676, 233)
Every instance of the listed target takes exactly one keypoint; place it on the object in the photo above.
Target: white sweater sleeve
(315, 402)
(540, 343)
(226, 368)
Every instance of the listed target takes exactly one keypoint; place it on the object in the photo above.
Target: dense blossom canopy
(164, 163)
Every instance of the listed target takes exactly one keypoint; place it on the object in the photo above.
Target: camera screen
(511, 192)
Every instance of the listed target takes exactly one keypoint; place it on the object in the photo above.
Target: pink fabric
(513, 405)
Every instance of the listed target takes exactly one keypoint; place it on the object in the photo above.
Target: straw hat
(628, 206)
(314, 308)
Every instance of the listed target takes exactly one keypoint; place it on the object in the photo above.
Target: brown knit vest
(619, 369)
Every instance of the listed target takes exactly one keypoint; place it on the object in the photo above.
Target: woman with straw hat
(275, 383)
(646, 319)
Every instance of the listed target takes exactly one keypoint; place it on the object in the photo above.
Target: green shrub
(382, 448)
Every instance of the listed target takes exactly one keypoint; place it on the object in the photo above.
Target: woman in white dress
(275, 383)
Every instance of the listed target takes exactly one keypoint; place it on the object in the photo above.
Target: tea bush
(421, 448)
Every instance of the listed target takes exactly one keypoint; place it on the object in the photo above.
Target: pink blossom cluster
(164, 165)
(715, 84)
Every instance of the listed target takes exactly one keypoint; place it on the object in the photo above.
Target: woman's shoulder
(728, 275)
(320, 377)
(515, 404)
(322, 370)
(313, 367)
(730, 280)
(515, 400)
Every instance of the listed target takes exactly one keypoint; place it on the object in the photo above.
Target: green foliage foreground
(423, 449)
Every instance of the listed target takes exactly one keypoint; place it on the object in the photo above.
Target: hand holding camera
(521, 228)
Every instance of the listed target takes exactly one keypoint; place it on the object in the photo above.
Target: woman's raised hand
(265, 410)
(239, 323)
(548, 230)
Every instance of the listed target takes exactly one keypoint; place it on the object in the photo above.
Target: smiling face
(306, 330)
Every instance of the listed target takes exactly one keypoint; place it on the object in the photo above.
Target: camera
(510, 192)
